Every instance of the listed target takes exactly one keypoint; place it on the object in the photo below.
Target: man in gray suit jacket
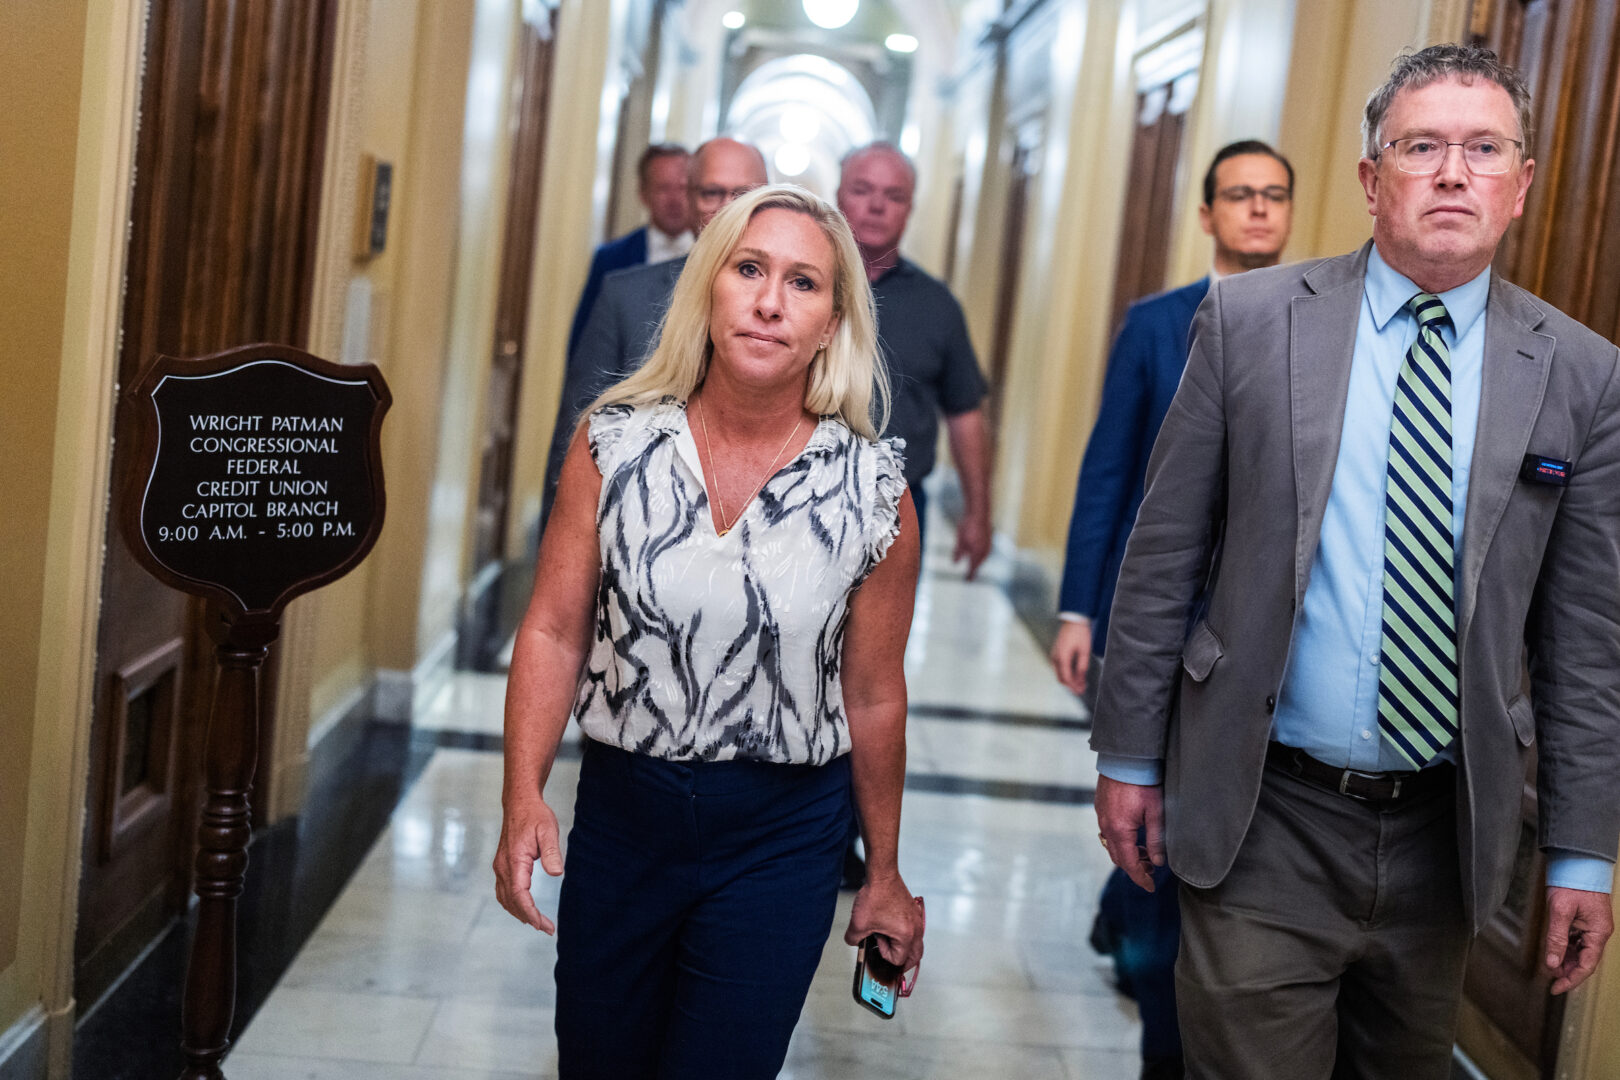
(620, 332)
(1386, 501)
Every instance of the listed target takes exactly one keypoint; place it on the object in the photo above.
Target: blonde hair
(845, 377)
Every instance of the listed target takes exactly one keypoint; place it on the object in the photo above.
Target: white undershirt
(662, 248)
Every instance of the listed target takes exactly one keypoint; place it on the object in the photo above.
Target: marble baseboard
(400, 695)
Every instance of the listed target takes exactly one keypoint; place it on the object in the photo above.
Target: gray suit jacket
(1241, 473)
(618, 336)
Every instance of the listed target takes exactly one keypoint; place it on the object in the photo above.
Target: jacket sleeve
(1573, 640)
(1167, 557)
(587, 296)
(1110, 467)
(593, 364)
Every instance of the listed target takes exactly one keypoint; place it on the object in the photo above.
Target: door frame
(115, 38)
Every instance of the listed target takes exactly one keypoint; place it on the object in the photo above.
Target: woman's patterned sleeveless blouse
(713, 647)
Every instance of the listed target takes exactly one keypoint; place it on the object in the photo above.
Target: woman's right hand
(528, 835)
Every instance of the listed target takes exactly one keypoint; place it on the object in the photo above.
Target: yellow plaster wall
(1341, 51)
(419, 115)
(579, 156)
(1060, 342)
(62, 206)
(35, 221)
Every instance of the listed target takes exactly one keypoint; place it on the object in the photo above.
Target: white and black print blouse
(712, 647)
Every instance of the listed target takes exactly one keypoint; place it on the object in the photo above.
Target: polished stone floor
(415, 973)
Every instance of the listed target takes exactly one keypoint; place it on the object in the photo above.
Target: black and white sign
(262, 477)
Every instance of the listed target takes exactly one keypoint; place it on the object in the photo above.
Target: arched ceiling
(933, 23)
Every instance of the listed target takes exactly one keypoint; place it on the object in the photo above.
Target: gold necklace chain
(719, 502)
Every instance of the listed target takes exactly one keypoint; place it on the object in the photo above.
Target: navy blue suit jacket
(628, 250)
(1144, 370)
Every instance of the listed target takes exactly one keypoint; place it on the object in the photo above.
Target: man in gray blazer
(1386, 502)
(619, 332)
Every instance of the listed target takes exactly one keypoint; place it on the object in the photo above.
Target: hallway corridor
(417, 974)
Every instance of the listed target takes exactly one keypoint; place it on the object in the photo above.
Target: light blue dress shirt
(1328, 706)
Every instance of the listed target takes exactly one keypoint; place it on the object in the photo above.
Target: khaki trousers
(1335, 946)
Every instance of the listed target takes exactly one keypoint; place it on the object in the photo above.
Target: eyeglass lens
(1487, 156)
(1275, 194)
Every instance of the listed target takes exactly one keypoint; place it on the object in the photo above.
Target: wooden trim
(129, 814)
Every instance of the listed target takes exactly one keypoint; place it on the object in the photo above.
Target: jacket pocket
(1523, 718)
(1203, 649)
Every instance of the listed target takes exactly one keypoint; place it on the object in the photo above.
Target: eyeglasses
(720, 194)
(1422, 155)
(1276, 194)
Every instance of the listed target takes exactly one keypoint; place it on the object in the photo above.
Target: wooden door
(1565, 249)
(512, 307)
(1144, 246)
(228, 165)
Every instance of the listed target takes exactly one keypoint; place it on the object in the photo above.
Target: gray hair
(1418, 69)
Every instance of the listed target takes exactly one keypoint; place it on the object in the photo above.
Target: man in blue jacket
(667, 235)
(1247, 210)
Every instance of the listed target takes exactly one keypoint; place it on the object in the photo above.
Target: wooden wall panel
(1566, 250)
(223, 228)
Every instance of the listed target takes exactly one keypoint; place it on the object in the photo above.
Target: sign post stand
(259, 479)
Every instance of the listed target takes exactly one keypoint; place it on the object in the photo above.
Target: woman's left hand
(885, 907)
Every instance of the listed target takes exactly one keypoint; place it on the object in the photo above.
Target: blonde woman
(723, 599)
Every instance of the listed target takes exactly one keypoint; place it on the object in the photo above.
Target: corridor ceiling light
(901, 43)
(799, 124)
(792, 158)
(733, 20)
(831, 14)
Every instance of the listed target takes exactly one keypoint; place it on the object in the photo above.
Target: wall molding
(23, 1047)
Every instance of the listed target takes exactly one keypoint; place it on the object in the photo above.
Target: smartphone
(877, 982)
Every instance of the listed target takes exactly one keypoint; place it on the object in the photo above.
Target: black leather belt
(1372, 787)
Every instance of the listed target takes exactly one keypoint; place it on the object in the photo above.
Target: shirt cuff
(1567, 870)
(1142, 771)
(1073, 616)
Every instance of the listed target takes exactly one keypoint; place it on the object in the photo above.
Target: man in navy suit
(1247, 210)
(667, 234)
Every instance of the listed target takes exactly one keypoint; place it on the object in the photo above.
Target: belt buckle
(1344, 784)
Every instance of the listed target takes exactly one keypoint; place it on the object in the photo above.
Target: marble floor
(416, 973)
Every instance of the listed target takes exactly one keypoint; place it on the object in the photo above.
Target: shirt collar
(902, 266)
(1388, 290)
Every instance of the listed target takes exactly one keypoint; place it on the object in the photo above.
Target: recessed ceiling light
(901, 43)
(733, 20)
(799, 124)
(792, 158)
(831, 14)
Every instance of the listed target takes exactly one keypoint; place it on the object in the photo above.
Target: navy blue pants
(696, 902)
(1142, 930)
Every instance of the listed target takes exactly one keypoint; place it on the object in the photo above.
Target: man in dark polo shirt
(924, 336)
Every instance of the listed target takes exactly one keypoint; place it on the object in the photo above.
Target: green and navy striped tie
(1417, 673)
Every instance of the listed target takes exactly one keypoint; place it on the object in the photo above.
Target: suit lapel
(1322, 339)
(1517, 360)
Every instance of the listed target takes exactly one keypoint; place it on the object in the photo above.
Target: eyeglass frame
(1518, 144)
(1286, 197)
(716, 194)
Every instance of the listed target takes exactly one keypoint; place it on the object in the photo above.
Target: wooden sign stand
(259, 479)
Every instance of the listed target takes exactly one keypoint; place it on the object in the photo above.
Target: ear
(1367, 172)
(831, 327)
(1205, 220)
(1526, 174)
